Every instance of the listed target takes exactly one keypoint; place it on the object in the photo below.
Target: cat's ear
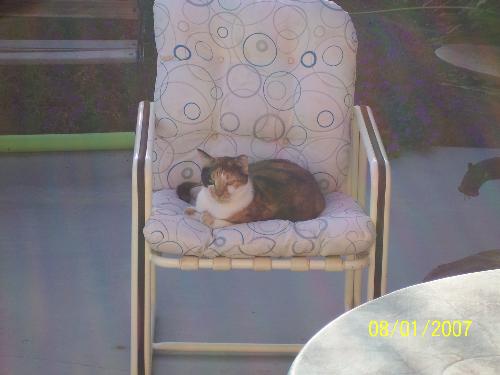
(206, 158)
(243, 162)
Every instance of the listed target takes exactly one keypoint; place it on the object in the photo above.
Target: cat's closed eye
(206, 177)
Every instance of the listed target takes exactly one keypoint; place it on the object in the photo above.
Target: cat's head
(223, 176)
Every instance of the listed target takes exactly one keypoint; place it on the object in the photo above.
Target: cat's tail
(184, 190)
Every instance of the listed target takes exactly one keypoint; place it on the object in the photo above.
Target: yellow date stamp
(412, 328)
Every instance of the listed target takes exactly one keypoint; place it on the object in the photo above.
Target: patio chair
(269, 79)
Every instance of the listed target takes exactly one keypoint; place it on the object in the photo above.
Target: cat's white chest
(240, 199)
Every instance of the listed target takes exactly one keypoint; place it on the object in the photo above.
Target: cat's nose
(219, 191)
(469, 193)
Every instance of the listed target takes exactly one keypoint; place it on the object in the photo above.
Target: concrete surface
(65, 266)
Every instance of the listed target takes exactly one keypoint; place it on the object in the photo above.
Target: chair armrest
(380, 193)
(142, 166)
(142, 187)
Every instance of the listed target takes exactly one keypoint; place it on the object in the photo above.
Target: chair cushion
(269, 79)
(342, 228)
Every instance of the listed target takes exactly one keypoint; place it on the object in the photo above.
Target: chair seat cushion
(342, 229)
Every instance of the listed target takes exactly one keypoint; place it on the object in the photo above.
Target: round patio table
(448, 326)
(478, 58)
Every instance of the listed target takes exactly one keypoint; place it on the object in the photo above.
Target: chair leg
(134, 346)
(357, 286)
(349, 290)
(136, 295)
(153, 300)
(370, 287)
(148, 340)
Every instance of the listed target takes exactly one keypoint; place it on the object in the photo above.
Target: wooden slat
(64, 45)
(67, 51)
(75, 57)
(112, 9)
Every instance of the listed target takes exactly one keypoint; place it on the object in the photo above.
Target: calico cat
(235, 191)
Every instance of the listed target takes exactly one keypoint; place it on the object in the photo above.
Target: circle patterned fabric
(268, 78)
(342, 229)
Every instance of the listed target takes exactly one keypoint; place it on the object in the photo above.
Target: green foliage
(419, 99)
(484, 21)
(68, 98)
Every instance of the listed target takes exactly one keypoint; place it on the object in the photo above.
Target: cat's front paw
(190, 211)
(207, 219)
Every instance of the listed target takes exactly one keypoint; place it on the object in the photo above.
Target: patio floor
(65, 266)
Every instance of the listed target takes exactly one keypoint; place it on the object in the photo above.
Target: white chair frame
(367, 152)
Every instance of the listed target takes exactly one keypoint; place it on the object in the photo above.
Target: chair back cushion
(265, 78)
